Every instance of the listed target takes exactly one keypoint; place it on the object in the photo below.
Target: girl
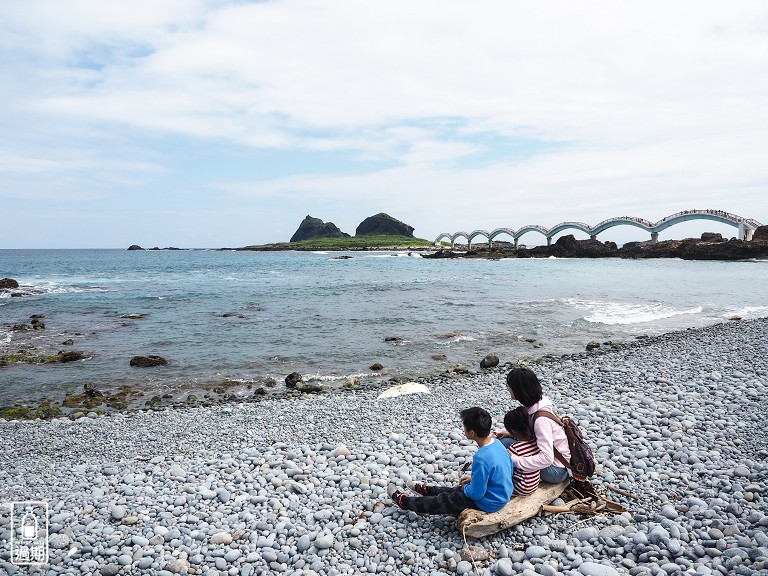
(519, 428)
(524, 386)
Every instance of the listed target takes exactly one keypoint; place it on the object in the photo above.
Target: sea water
(234, 315)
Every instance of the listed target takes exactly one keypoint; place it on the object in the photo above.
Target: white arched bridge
(746, 226)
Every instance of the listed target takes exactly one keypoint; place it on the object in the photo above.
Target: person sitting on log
(524, 386)
(489, 487)
(518, 427)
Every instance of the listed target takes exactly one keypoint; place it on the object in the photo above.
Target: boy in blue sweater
(489, 488)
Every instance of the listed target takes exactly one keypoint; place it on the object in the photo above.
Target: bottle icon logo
(29, 533)
(29, 527)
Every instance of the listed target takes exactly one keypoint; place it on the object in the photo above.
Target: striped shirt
(525, 482)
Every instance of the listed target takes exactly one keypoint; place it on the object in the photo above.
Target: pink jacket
(548, 433)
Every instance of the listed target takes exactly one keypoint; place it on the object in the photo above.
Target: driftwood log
(477, 524)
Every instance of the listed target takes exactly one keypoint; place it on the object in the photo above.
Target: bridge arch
(475, 233)
(686, 215)
(557, 228)
(531, 228)
(620, 220)
(500, 231)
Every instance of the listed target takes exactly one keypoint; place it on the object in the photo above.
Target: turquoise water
(318, 315)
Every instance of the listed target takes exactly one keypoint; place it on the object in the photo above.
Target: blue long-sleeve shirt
(491, 485)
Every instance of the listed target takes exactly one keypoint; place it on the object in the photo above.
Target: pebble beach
(297, 486)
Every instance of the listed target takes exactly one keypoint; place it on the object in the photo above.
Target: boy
(489, 488)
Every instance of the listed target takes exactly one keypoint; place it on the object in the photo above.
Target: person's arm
(544, 431)
(478, 485)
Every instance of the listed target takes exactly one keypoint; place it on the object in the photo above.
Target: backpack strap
(552, 416)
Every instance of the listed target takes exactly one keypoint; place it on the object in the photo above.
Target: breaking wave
(620, 313)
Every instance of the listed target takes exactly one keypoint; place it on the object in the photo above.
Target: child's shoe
(417, 487)
(397, 497)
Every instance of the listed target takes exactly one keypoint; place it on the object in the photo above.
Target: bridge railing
(736, 219)
(642, 221)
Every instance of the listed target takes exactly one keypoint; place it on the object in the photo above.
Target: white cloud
(639, 107)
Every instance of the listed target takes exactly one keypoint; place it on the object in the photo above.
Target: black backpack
(582, 464)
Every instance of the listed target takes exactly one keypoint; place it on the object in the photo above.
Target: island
(378, 232)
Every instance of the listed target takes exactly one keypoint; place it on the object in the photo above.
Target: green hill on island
(381, 231)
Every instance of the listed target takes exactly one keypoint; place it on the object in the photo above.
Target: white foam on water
(463, 338)
(321, 253)
(622, 313)
(54, 288)
(395, 255)
(748, 312)
(5, 337)
(332, 378)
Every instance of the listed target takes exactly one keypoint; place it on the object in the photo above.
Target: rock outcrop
(730, 250)
(383, 225)
(761, 234)
(568, 247)
(6, 283)
(135, 247)
(313, 228)
(489, 361)
(293, 379)
(148, 361)
(696, 249)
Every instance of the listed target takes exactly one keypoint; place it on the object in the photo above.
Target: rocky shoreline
(710, 246)
(297, 486)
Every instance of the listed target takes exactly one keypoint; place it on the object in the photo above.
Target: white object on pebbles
(403, 389)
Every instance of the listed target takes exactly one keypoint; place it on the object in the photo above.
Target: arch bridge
(746, 226)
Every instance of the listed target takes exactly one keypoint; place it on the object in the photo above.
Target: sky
(216, 123)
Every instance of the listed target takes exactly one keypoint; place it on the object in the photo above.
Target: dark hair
(525, 386)
(517, 423)
(477, 420)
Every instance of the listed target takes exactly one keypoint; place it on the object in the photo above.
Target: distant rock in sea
(383, 225)
(8, 283)
(311, 228)
(135, 247)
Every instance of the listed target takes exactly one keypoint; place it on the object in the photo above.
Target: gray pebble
(504, 567)
(594, 569)
(324, 541)
(536, 552)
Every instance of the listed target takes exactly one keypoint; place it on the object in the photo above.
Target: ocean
(243, 316)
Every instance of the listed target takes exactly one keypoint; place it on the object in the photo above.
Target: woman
(524, 387)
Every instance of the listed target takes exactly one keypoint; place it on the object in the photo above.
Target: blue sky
(197, 123)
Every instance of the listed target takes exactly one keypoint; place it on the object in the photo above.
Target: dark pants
(442, 500)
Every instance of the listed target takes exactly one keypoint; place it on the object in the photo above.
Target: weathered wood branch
(478, 524)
